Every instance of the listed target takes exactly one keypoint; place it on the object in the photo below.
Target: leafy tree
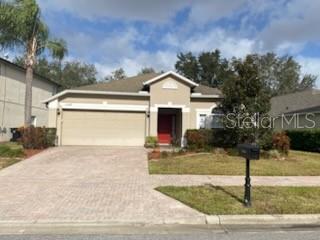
(246, 104)
(43, 67)
(22, 28)
(308, 81)
(75, 74)
(213, 69)
(282, 74)
(146, 70)
(208, 68)
(117, 74)
(188, 66)
(69, 74)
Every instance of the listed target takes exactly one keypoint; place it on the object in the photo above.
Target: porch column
(153, 122)
(185, 125)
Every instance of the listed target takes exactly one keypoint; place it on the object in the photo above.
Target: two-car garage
(112, 128)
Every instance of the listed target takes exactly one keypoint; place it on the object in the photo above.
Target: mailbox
(249, 151)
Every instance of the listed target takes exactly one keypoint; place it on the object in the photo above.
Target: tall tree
(21, 27)
(75, 74)
(246, 102)
(188, 65)
(68, 74)
(209, 68)
(117, 74)
(282, 74)
(213, 70)
(146, 70)
(43, 67)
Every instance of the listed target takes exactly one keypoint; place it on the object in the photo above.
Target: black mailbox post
(249, 152)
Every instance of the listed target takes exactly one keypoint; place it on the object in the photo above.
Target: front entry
(165, 128)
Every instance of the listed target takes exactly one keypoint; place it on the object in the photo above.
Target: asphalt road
(271, 234)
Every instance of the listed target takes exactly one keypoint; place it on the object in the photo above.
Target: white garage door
(103, 128)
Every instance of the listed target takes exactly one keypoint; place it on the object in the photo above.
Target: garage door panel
(103, 128)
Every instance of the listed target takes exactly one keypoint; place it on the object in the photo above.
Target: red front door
(165, 128)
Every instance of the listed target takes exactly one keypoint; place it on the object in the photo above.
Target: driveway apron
(87, 184)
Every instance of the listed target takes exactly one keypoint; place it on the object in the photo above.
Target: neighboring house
(124, 112)
(12, 94)
(299, 110)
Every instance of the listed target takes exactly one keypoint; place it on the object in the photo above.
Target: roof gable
(138, 86)
(182, 78)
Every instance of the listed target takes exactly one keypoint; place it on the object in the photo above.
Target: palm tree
(22, 29)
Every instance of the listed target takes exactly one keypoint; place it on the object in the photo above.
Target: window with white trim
(202, 120)
(34, 121)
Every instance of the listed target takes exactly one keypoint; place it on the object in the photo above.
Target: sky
(149, 33)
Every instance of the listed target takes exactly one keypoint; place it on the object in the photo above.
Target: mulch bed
(31, 152)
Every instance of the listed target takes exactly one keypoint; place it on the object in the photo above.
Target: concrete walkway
(195, 180)
(103, 184)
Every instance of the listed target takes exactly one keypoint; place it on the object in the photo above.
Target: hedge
(305, 140)
(37, 137)
(204, 139)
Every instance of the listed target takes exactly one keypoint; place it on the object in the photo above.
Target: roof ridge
(298, 92)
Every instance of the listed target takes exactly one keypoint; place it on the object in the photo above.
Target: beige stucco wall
(56, 120)
(199, 106)
(159, 95)
(99, 99)
(12, 94)
(178, 96)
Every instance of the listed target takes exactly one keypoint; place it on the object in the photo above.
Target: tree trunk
(30, 61)
(28, 97)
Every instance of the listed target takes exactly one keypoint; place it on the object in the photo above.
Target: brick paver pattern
(102, 184)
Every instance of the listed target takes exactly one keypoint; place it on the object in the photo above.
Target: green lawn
(265, 200)
(296, 164)
(10, 153)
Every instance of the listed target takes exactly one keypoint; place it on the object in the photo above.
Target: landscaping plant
(37, 137)
(246, 104)
(281, 142)
(151, 142)
(305, 140)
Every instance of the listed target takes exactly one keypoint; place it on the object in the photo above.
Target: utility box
(249, 151)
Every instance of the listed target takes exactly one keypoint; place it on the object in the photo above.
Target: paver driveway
(98, 184)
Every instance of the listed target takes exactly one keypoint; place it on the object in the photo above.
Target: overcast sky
(142, 33)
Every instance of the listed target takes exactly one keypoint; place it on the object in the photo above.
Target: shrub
(151, 142)
(305, 140)
(266, 140)
(281, 142)
(199, 139)
(164, 154)
(206, 139)
(37, 137)
(7, 151)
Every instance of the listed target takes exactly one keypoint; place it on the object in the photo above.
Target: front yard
(10, 153)
(296, 164)
(265, 200)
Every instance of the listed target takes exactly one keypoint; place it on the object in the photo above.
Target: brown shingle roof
(131, 84)
(135, 84)
(304, 101)
(205, 90)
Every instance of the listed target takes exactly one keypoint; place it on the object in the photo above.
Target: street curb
(303, 219)
(210, 221)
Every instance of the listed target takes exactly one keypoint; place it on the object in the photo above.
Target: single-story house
(12, 97)
(298, 110)
(125, 112)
